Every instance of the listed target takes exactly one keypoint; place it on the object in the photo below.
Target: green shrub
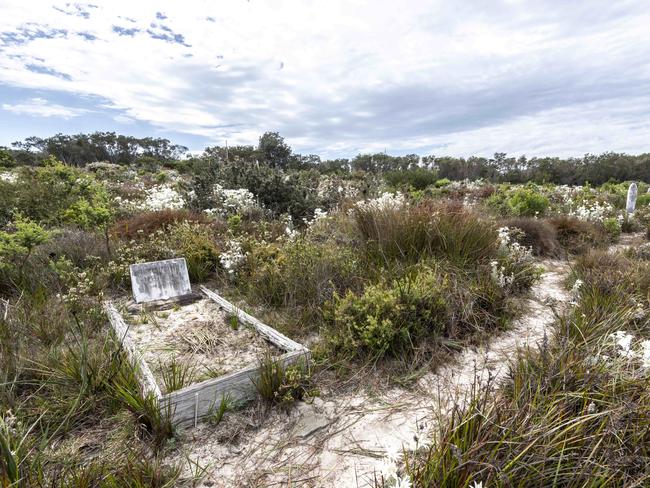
(441, 183)
(16, 247)
(300, 273)
(526, 202)
(280, 192)
(195, 242)
(643, 200)
(283, 385)
(417, 310)
(612, 227)
(416, 179)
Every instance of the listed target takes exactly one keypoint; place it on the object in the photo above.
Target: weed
(176, 374)
(216, 412)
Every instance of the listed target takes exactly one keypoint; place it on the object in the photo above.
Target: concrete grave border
(189, 404)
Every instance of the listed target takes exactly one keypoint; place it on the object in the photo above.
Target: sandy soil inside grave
(199, 334)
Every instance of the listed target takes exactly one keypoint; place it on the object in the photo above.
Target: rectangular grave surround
(188, 405)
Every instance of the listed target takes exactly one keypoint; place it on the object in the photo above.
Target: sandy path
(339, 439)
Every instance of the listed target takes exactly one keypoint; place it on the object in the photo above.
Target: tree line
(273, 151)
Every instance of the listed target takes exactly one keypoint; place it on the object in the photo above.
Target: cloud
(338, 78)
(39, 107)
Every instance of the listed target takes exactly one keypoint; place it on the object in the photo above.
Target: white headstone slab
(631, 198)
(160, 280)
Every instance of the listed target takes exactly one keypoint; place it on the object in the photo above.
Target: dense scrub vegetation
(375, 260)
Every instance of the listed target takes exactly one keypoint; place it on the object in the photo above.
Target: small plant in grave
(282, 385)
(176, 375)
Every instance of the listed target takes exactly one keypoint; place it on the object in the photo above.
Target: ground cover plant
(389, 265)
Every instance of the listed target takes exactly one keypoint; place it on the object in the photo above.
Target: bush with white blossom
(232, 257)
(514, 268)
(387, 201)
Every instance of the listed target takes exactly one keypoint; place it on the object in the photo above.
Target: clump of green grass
(217, 411)
(126, 390)
(176, 374)
(414, 232)
(282, 385)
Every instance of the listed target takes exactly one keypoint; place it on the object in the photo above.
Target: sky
(336, 77)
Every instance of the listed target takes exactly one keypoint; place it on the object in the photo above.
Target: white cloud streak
(39, 107)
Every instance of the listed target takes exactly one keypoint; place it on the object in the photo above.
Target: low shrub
(613, 227)
(527, 202)
(300, 273)
(577, 236)
(539, 235)
(441, 183)
(416, 179)
(428, 306)
(144, 224)
(413, 232)
(283, 385)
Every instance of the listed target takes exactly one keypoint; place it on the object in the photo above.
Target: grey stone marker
(631, 198)
(160, 280)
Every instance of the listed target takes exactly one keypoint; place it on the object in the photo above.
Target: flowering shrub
(592, 211)
(8, 177)
(387, 201)
(514, 269)
(161, 198)
(230, 202)
(232, 257)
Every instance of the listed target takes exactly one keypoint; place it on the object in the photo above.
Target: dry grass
(146, 223)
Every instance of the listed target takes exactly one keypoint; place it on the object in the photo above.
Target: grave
(200, 331)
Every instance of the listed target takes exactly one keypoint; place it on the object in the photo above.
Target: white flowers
(575, 291)
(592, 211)
(319, 214)
(625, 349)
(499, 275)
(513, 257)
(231, 202)
(161, 198)
(232, 257)
(477, 484)
(624, 341)
(8, 177)
(389, 470)
(387, 201)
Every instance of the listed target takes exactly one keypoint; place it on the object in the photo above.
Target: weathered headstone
(160, 280)
(631, 198)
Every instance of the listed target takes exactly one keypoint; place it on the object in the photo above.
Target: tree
(273, 150)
